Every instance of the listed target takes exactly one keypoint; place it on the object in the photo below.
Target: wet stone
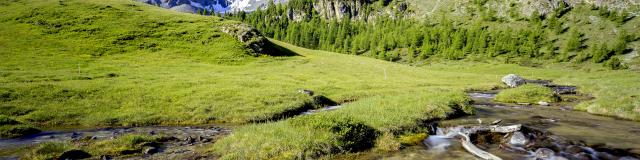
(106, 157)
(518, 139)
(150, 150)
(572, 149)
(544, 154)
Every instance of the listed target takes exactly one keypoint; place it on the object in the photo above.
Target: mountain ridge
(217, 6)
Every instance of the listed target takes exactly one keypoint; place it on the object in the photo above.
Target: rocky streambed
(549, 131)
(176, 143)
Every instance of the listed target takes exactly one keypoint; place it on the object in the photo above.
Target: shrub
(4, 120)
(615, 64)
(527, 93)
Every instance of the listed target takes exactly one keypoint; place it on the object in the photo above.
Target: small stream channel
(584, 135)
(183, 140)
(596, 137)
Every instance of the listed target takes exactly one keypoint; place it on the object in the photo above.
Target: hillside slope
(103, 63)
(523, 32)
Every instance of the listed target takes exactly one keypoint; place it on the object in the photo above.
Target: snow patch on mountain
(218, 6)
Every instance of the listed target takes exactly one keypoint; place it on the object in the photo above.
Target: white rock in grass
(513, 80)
(543, 103)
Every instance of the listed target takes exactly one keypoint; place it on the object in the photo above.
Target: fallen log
(470, 147)
(505, 129)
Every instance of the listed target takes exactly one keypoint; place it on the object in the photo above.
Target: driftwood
(471, 148)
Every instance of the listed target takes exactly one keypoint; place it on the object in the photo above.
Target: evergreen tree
(574, 41)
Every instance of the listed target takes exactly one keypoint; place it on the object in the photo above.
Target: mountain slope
(208, 6)
(485, 30)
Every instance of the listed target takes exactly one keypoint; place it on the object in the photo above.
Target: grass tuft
(15, 131)
(528, 93)
(48, 150)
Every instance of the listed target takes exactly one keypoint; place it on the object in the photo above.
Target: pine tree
(574, 42)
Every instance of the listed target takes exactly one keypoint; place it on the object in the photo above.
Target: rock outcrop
(248, 35)
(351, 9)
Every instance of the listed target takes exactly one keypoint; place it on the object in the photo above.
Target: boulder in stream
(513, 80)
(545, 154)
(543, 103)
(518, 139)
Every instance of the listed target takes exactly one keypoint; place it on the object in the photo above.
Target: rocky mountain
(219, 6)
(370, 9)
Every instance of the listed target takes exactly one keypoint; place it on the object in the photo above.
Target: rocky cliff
(370, 9)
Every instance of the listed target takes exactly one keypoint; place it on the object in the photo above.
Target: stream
(555, 130)
(570, 134)
(184, 141)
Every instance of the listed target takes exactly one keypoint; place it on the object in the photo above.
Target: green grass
(125, 145)
(196, 75)
(48, 150)
(95, 63)
(351, 128)
(616, 92)
(528, 93)
(15, 131)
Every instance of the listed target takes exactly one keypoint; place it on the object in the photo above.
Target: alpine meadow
(320, 79)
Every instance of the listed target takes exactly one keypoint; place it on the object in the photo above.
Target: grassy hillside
(94, 63)
(104, 63)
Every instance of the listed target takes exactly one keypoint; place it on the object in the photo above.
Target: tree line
(411, 40)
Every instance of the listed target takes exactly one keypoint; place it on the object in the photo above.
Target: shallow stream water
(558, 119)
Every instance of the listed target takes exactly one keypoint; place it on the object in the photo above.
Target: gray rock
(518, 139)
(186, 8)
(545, 154)
(106, 157)
(306, 91)
(543, 103)
(513, 80)
(150, 150)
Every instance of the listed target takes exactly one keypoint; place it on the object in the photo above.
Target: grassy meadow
(99, 63)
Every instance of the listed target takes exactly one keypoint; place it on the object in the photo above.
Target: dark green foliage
(387, 38)
(574, 42)
(412, 40)
(621, 41)
(600, 53)
(4, 120)
(615, 64)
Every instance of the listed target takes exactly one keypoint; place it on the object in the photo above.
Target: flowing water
(596, 135)
(186, 138)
